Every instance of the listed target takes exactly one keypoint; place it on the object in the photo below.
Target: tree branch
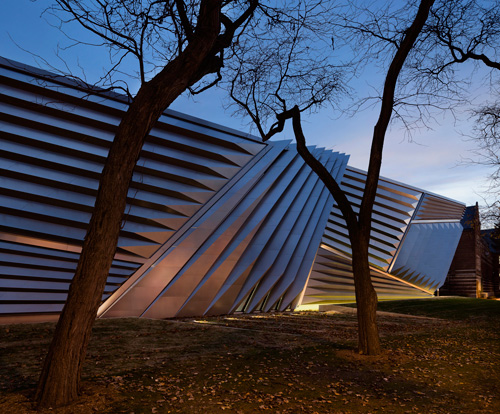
(186, 25)
(386, 111)
(318, 168)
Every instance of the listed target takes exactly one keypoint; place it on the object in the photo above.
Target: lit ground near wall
(276, 363)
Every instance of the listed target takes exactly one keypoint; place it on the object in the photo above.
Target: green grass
(453, 308)
(446, 308)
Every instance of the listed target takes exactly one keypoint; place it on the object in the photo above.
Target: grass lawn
(445, 307)
(275, 363)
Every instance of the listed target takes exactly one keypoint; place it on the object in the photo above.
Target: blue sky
(432, 160)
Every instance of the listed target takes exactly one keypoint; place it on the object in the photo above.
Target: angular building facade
(216, 221)
(413, 239)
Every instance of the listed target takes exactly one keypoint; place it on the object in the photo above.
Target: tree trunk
(60, 378)
(59, 381)
(359, 227)
(366, 299)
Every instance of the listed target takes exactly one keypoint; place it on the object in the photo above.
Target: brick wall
(474, 271)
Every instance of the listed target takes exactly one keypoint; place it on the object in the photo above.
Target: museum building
(216, 222)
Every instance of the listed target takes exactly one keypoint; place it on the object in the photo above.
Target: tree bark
(359, 227)
(366, 298)
(59, 381)
(380, 129)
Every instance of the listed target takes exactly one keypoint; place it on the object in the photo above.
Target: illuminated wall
(414, 237)
(216, 221)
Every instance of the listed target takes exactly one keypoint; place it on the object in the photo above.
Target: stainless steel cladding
(216, 221)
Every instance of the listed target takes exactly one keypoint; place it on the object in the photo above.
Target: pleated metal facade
(216, 221)
(413, 239)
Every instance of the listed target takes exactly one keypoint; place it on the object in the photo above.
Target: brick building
(474, 271)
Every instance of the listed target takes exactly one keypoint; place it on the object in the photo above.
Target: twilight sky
(432, 161)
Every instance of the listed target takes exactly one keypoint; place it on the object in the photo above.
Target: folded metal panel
(242, 246)
(216, 221)
(54, 138)
(413, 239)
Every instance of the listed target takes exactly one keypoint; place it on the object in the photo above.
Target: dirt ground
(276, 363)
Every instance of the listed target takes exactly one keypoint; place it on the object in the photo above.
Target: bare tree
(466, 37)
(455, 65)
(291, 57)
(177, 44)
(259, 98)
(487, 137)
(188, 38)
